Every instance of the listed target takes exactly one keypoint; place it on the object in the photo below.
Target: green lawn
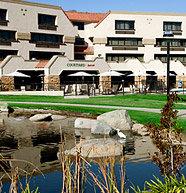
(149, 101)
(138, 116)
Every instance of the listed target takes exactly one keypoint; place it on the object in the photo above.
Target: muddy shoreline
(30, 112)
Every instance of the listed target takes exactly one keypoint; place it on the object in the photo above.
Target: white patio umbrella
(139, 74)
(110, 73)
(80, 74)
(17, 74)
(163, 74)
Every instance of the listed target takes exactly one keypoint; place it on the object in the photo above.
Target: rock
(102, 128)
(41, 117)
(99, 148)
(58, 117)
(84, 123)
(119, 119)
(4, 107)
(140, 129)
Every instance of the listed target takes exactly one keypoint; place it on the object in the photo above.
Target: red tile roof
(85, 16)
(41, 64)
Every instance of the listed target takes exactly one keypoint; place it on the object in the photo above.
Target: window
(46, 22)
(163, 57)
(124, 42)
(173, 42)
(46, 19)
(172, 26)
(5, 53)
(3, 14)
(123, 57)
(79, 41)
(124, 25)
(80, 25)
(79, 56)
(48, 38)
(7, 35)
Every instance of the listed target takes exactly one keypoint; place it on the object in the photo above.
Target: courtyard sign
(75, 65)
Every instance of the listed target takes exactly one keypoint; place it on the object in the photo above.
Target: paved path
(181, 112)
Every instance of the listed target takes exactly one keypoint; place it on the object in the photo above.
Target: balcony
(47, 27)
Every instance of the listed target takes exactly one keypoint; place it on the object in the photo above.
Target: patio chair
(114, 89)
(68, 89)
(83, 89)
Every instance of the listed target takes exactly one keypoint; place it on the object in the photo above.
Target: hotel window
(80, 25)
(124, 25)
(173, 42)
(124, 42)
(163, 57)
(47, 22)
(3, 20)
(123, 57)
(48, 38)
(172, 26)
(7, 35)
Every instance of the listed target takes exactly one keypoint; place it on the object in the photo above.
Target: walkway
(181, 112)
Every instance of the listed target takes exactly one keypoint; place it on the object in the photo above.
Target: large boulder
(102, 128)
(119, 119)
(99, 148)
(84, 123)
(41, 117)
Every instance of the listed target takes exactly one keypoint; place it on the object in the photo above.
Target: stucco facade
(22, 18)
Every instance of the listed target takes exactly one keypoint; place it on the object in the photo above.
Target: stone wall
(52, 83)
(105, 82)
(7, 83)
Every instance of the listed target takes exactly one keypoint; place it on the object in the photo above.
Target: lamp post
(168, 34)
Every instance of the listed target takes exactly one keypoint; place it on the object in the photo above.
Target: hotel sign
(75, 65)
(79, 65)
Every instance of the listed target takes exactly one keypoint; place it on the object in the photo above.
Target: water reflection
(39, 143)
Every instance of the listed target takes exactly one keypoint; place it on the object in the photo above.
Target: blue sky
(178, 6)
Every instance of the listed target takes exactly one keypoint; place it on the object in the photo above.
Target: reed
(14, 175)
(75, 170)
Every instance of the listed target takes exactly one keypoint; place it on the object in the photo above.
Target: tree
(166, 136)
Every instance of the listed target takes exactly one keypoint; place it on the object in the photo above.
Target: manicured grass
(138, 116)
(148, 101)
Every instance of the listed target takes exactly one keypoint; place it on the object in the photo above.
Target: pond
(39, 143)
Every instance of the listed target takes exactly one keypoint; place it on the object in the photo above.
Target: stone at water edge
(118, 119)
(99, 148)
(41, 117)
(84, 123)
(58, 117)
(4, 107)
(102, 128)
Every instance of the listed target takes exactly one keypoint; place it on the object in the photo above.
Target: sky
(103, 6)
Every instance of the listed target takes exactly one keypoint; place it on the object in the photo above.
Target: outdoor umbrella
(81, 74)
(110, 73)
(17, 74)
(139, 74)
(164, 74)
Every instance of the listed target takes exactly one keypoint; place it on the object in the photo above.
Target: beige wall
(23, 18)
(148, 26)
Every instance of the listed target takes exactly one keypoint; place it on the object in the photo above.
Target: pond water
(40, 142)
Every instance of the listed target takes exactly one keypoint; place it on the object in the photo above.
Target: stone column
(105, 82)
(7, 83)
(52, 83)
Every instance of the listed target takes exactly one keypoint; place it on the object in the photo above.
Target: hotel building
(45, 41)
